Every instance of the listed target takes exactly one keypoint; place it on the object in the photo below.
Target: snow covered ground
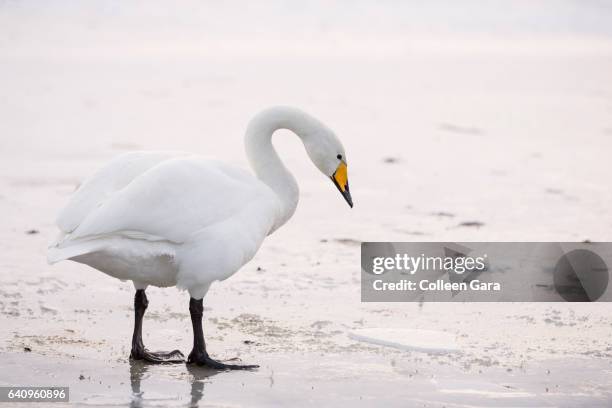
(496, 112)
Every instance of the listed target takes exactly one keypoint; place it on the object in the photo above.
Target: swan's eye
(339, 157)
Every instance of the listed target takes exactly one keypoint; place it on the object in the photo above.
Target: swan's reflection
(138, 372)
(198, 378)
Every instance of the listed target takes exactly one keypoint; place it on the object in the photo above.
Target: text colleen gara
(437, 285)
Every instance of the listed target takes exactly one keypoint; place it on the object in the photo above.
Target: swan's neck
(264, 159)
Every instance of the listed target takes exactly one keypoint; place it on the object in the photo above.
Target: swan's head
(327, 153)
(322, 145)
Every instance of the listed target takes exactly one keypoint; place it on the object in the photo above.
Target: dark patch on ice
(527, 318)
(391, 160)
(442, 214)
(32, 231)
(319, 324)
(475, 224)
(348, 241)
(255, 325)
(46, 309)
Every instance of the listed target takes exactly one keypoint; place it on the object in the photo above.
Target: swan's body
(176, 219)
(167, 219)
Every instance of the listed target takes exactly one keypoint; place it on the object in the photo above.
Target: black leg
(199, 355)
(139, 352)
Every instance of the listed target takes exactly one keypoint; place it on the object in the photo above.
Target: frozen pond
(489, 121)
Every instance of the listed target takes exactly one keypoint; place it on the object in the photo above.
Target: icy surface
(462, 121)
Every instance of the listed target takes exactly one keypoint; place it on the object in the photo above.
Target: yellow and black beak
(340, 179)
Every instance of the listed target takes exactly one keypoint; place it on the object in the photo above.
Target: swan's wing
(173, 200)
(113, 177)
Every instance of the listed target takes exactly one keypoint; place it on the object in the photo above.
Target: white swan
(176, 219)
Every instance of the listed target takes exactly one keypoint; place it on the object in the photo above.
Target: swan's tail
(64, 248)
(67, 247)
(56, 254)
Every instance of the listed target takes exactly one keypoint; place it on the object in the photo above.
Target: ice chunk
(408, 339)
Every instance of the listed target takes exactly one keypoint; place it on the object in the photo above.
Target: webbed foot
(158, 357)
(203, 359)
